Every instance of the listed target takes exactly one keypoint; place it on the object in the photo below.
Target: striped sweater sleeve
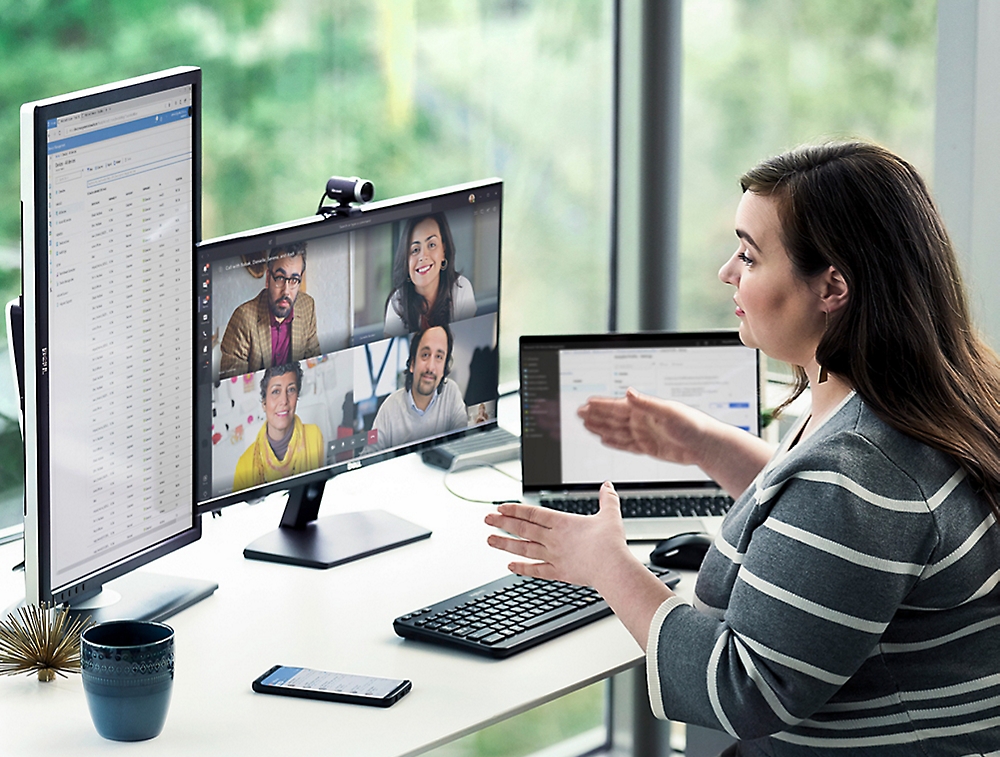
(815, 559)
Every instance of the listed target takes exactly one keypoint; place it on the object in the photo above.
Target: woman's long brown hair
(905, 340)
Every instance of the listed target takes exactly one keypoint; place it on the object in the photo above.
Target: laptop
(563, 464)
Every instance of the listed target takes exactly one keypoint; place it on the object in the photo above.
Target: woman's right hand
(678, 433)
(639, 423)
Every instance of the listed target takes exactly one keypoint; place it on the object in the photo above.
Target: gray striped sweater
(849, 606)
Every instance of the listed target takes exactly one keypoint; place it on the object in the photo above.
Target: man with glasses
(277, 326)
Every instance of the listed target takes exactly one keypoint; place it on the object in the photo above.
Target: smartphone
(334, 687)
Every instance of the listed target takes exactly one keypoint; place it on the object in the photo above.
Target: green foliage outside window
(762, 76)
(412, 94)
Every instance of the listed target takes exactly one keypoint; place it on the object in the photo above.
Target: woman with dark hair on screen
(849, 604)
(426, 288)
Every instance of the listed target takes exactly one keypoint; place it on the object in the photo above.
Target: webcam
(344, 192)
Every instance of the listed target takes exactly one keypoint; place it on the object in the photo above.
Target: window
(762, 76)
(416, 94)
(411, 94)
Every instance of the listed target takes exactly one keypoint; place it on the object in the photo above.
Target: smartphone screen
(289, 679)
(340, 683)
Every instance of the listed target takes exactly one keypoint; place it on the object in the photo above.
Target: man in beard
(277, 326)
(429, 404)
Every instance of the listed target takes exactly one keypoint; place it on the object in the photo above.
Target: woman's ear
(832, 289)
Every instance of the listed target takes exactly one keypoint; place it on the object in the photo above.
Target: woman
(426, 288)
(284, 445)
(849, 603)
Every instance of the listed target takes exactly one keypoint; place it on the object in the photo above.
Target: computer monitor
(319, 352)
(111, 208)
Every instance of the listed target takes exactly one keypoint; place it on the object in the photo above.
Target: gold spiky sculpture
(41, 639)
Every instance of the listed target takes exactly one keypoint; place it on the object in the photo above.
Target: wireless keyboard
(509, 615)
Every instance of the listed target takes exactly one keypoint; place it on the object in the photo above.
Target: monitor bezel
(37, 520)
(370, 214)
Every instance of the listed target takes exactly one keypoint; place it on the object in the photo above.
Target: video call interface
(719, 379)
(316, 345)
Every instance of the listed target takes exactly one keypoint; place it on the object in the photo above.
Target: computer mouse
(684, 551)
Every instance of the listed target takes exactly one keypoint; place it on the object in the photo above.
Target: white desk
(338, 619)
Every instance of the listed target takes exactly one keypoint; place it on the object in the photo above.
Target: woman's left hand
(573, 548)
(588, 550)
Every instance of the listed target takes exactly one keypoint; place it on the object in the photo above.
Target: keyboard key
(547, 616)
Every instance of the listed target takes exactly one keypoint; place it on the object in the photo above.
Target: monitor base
(144, 596)
(138, 596)
(336, 539)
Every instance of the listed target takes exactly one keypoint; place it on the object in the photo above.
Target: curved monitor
(327, 344)
(110, 191)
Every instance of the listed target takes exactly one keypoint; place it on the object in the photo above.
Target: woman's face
(279, 404)
(426, 256)
(779, 313)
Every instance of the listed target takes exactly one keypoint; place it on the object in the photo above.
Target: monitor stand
(137, 596)
(143, 596)
(303, 540)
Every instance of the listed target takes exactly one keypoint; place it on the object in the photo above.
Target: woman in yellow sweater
(285, 445)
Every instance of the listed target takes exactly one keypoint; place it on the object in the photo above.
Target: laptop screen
(710, 371)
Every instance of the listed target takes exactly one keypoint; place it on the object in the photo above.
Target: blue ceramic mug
(128, 672)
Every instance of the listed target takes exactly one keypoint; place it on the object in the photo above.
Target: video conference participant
(427, 290)
(850, 604)
(278, 325)
(429, 404)
(285, 445)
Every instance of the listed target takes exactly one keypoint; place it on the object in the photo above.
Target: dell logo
(354, 465)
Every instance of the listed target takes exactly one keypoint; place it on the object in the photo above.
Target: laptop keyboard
(509, 615)
(648, 507)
